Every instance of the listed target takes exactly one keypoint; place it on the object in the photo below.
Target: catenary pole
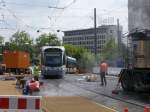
(95, 33)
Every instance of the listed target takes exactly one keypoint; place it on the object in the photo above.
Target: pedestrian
(103, 72)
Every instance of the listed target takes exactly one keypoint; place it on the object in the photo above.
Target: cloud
(80, 14)
(32, 15)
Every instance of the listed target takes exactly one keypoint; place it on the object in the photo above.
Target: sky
(33, 15)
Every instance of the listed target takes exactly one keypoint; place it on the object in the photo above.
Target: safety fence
(146, 109)
(20, 103)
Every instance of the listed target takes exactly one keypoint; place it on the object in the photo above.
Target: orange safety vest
(103, 67)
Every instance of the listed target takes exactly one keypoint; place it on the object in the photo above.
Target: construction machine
(136, 75)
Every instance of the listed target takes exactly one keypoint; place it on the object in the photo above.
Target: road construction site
(50, 103)
(74, 92)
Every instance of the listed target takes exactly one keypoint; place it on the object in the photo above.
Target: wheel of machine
(127, 82)
(124, 83)
(139, 78)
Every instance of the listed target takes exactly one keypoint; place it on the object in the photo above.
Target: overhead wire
(18, 18)
(71, 3)
(62, 10)
(23, 4)
(3, 21)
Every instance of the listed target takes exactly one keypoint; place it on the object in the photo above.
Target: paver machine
(136, 75)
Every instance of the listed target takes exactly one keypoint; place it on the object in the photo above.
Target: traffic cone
(147, 109)
(126, 109)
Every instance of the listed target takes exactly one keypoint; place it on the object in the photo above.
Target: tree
(21, 41)
(74, 51)
(85, 59)
(47, 39)
(110, 50)
(86, 62)
(1, 48)
(21, 38)
(1, 40)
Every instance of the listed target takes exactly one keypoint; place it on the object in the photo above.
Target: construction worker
(36, 71)
(32, 85)
(103, 72)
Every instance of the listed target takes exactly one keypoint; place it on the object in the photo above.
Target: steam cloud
(139, 14)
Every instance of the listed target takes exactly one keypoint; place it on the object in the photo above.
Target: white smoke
(139, 14)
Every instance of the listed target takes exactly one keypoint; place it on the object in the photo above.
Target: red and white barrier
(20, 103)
(146, 109)
(126, 109)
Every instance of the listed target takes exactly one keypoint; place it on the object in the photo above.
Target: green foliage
(74, 51)
(86, 61)
(1, 40)
(47, 39)
(20, 41)
(84, 58)
(110, 50)
(44, 40)
(1, 47)
(21, 38)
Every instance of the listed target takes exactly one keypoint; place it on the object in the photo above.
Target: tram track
(109, 96)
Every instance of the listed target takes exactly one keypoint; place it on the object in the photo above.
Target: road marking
(105, 106)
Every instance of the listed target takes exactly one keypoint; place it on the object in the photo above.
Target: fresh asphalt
(76, 85)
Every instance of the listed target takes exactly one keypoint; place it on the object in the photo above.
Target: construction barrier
(20, 103)
(126, 109)
(146, 109)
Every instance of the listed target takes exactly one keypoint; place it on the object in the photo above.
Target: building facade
(139, 14)
(85, 37)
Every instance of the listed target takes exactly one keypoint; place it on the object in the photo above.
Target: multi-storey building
(85, 37)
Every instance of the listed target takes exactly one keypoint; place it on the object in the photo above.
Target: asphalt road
(73, 85)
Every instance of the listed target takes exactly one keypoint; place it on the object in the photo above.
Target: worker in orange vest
(103, 72)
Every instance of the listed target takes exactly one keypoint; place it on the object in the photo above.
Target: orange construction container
(16, 59)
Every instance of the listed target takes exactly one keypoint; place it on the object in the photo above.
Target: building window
(111, 31)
